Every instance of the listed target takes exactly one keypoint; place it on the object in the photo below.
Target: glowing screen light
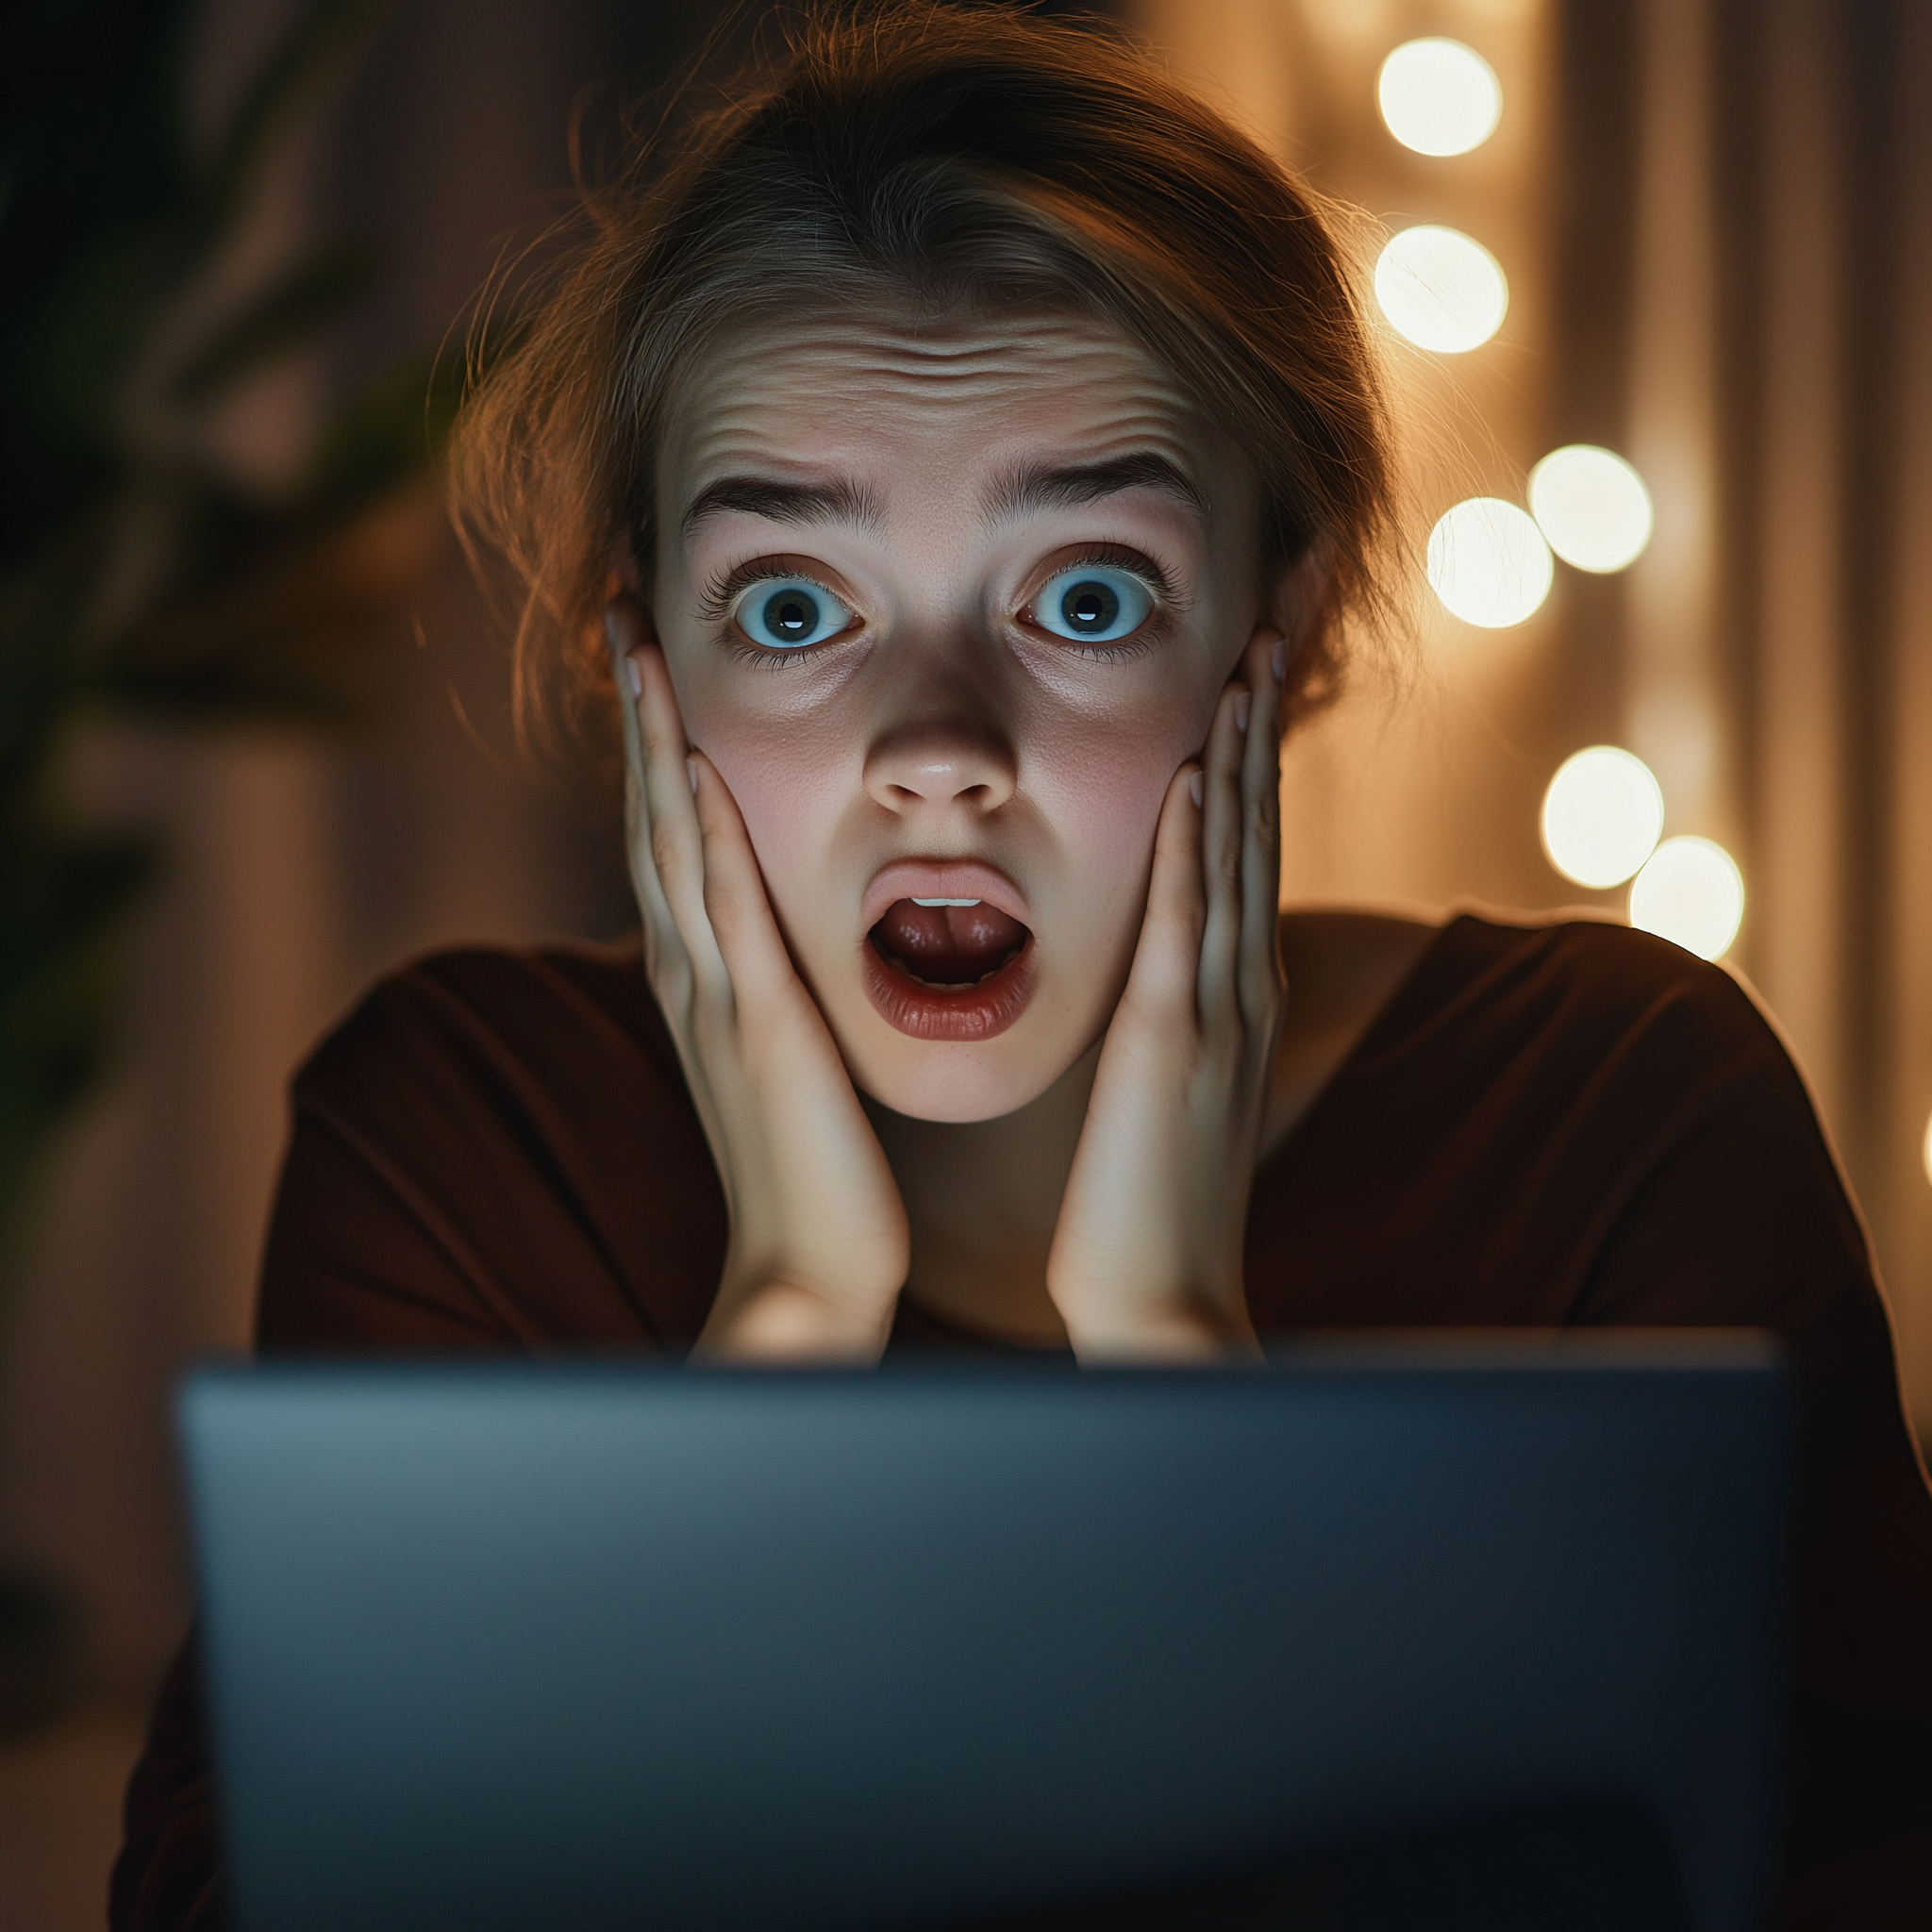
(1690, 892)
(1440, 288)
(1489, 563)
(1592, 507)
(1439, 97)
(1603, 816)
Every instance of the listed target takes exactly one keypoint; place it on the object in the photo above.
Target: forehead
(955, 402)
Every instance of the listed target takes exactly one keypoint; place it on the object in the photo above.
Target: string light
(1592, 507)
(1602, 817)
(1489, 563)
(1439, 97)
(1442, 289)
(1690, 892)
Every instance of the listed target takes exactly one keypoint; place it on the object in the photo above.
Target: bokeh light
(1440, 288)
(1489, 563)
(1690, 892)
(1603, 816)
(1592, 507)
(1439, 97)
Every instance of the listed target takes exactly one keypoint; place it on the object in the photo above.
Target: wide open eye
(788, 613)
(1092, 603)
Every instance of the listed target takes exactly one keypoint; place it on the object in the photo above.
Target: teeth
(945, 902)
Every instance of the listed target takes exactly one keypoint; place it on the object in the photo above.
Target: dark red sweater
(1547, 1125)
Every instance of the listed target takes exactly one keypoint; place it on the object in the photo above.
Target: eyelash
(714, 606)
(716, 599)
(1116, 556)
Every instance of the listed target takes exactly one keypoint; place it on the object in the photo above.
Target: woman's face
(947, 605)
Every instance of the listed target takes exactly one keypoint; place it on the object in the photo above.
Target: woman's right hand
(819, 1242)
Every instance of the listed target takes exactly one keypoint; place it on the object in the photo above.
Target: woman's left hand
(1146, 1259)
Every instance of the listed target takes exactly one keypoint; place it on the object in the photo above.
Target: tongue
(947, 945)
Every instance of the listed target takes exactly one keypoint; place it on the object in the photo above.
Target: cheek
(1100, 787)
(793, 780)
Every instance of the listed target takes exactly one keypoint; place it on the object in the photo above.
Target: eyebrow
(838, 502)
(1041, 487)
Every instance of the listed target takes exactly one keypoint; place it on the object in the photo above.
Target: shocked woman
(959, 461)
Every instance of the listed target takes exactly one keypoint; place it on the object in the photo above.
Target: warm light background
(1747, 318)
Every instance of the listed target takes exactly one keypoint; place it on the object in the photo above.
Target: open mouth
(949, 969)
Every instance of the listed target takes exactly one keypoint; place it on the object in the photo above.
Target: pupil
(1091, 605)
(792, 615)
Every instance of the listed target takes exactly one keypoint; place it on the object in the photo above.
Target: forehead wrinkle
(778, 411)
(833, 357)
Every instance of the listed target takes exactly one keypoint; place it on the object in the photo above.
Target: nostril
(930, 765)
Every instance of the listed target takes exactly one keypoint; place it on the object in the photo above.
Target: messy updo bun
(949, 157)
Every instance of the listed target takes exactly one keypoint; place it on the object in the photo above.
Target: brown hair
(949, 157)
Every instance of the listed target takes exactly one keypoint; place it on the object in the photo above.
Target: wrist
(1178, 1330)
(780, 1321)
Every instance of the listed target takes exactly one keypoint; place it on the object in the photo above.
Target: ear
(624, 574)
(623, 623)
(625, 583)
(1296, 602)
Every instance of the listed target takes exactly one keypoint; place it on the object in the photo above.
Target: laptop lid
(600, 1645)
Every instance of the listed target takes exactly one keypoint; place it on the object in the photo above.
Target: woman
(961, 460)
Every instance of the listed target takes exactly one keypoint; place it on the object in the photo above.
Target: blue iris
(788, 613)
(1093, 603)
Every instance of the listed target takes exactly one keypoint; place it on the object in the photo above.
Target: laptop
(1418, 1633)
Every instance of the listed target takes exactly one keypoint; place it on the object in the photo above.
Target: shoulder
(1599, 1089)
(495, 1148)
(1542, 1114)
(1578, 989)
(489, 1013)
(1527, 1013)
(1530, 1080)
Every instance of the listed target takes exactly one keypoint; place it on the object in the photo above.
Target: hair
(946, 158)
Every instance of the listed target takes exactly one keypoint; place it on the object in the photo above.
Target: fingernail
(1243, 705)
(1277, 660)
(634, 678)
(690, 771)
(1195, 789)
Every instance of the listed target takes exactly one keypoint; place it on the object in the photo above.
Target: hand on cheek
(1146, 1259)
(819, 1245)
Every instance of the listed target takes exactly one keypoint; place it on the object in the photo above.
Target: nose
(938, 766)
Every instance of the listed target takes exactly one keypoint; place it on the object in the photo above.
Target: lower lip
(931, 1013)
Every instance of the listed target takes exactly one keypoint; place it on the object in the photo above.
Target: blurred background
(255, 735)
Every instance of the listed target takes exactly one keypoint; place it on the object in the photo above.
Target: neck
(982, 1198)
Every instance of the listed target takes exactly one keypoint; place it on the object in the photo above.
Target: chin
(955, 1082)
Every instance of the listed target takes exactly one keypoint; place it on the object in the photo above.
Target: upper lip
(941, 878)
